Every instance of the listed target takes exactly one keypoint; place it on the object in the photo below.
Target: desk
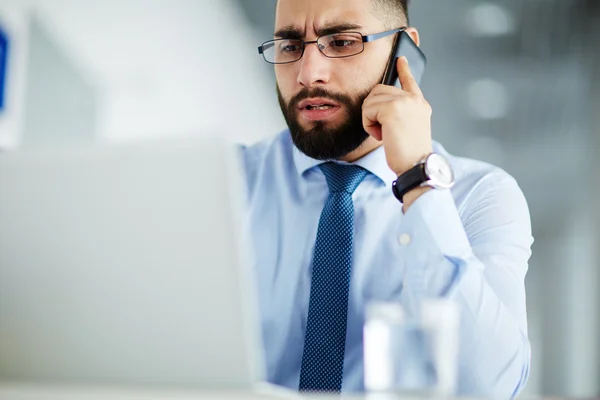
(49, 392)
(16, 392)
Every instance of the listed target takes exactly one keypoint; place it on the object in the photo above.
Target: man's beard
(320, 141)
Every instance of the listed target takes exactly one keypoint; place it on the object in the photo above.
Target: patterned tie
(325, 341)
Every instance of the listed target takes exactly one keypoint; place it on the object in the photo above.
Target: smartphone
(405, 46)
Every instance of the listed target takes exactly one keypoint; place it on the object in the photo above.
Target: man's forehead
(319, 14)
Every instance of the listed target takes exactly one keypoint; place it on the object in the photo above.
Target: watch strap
(409, 180)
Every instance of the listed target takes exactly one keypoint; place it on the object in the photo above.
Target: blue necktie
(325, 341)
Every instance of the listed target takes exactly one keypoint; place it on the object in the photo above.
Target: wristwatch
(434, 171)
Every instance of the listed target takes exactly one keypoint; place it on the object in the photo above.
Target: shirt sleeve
(477, 256)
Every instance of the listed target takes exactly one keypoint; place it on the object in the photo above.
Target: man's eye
(289, 47)
(342, 43)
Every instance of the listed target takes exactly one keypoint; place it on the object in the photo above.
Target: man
(331, 232)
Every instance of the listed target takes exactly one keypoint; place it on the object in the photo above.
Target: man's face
(342, 84)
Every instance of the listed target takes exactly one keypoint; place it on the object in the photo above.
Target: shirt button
(404, 239)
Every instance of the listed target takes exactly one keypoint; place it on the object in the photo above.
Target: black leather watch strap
(409, 180)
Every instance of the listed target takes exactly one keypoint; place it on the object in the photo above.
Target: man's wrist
(402, 169)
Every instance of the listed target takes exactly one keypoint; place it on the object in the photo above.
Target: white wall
(165, 67)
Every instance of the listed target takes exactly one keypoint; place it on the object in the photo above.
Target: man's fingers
(381, 89)
(370, 122)
(388, 92)
(408, 82)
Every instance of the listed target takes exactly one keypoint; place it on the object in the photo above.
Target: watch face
(439, 171)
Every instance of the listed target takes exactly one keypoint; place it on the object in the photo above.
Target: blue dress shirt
(471, 244)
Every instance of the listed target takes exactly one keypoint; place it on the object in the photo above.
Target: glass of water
(415, 355)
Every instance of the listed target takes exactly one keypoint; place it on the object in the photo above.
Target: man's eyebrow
(337, 28)
(291, 32)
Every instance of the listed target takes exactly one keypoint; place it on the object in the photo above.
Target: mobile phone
(405, 46)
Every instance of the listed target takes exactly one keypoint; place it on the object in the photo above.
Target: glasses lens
(341, 44)
(283, 51)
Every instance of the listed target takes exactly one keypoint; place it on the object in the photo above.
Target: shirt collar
(374, 162)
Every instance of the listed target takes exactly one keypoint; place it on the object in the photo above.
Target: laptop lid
(124, 266)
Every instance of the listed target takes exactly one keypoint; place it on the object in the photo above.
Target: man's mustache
(318, 92)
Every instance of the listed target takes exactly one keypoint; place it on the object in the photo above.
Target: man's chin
(319, 125)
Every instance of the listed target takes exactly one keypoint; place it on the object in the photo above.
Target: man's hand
(401, 118)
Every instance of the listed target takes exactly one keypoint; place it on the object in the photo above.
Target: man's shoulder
(267, 158)
(268, 147)
(469, 169)
(476, 180)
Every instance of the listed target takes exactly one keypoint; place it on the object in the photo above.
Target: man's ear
(414, 34)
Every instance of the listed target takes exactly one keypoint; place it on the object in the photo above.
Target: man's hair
(393, 12)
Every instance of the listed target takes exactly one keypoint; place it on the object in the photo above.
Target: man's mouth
(319, 107)
(317, 104)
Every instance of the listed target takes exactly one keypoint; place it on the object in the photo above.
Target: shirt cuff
(438, 248)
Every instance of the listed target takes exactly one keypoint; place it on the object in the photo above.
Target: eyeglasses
(336, 45)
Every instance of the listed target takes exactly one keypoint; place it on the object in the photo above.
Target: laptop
(124, 266)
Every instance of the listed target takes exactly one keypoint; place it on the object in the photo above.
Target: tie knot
(343, 178)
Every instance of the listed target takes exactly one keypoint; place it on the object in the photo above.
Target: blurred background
(512, 82)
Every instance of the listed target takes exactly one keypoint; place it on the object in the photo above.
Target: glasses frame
(365, 39)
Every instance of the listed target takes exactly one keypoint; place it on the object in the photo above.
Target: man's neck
(367, 147)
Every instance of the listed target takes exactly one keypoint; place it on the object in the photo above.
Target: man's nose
(315, 68)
